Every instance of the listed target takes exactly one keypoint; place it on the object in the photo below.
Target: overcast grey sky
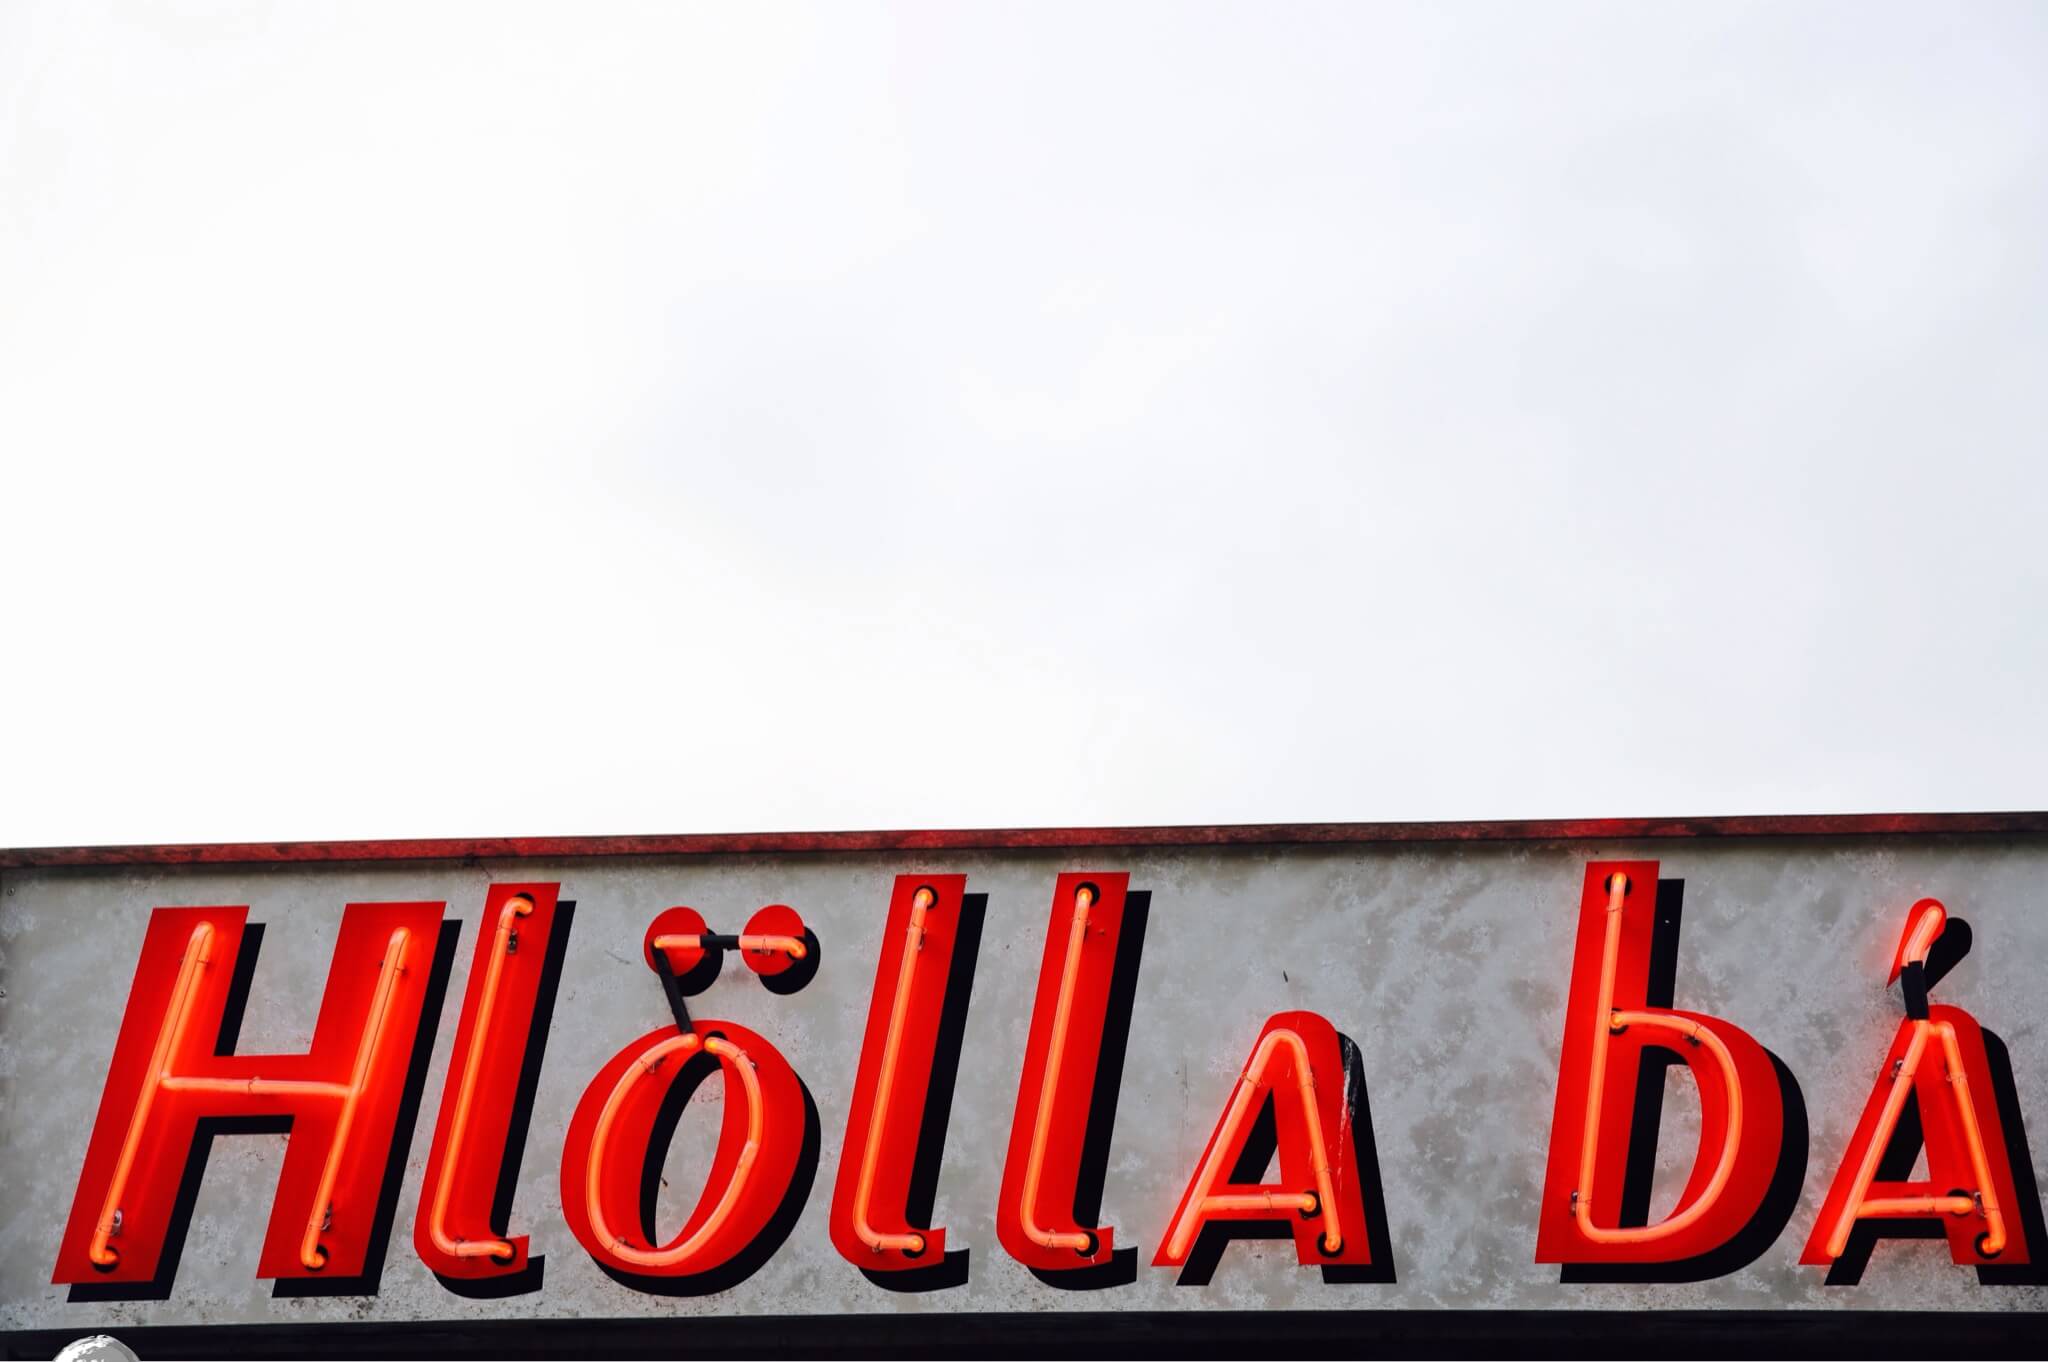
(479, 420)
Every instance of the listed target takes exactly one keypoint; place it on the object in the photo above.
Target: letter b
(1608, 1025)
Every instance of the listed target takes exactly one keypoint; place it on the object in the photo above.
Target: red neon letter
(453, 1233)
(1938, 1057)
(1298, 1066)
(604, 1156)
(341, 1097)
(1608, 1024)
(869, 1224)
(1035, 1216)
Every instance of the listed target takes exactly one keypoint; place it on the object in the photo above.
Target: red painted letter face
(1938, 1062)
(340, 1099)
(870, 1224)
(454, 1233)
(1608, 1025)
(1298, 1068)
(1035, 1215)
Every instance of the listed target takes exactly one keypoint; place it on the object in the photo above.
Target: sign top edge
(1013, 839)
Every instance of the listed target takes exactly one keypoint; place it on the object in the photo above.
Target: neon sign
(1296, 1104)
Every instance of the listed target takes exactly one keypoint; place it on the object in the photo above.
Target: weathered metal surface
(1446, 959)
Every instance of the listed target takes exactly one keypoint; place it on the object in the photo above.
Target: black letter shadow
(2034, 1272)
(1366, 1162)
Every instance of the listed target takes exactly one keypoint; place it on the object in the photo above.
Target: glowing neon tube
(735, 1061)
(437, 1223)
(1973, 1136)
(1041, 1127)
(169, 1037)
(1304, 1202)
(257, 1087)
(1611, 1021)
(388, 970)
(912, 1244)
(1933, 917)
(1866, 1172)
(791, 946)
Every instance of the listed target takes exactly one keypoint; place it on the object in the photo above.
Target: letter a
(1937, 1057)
(1297, 1067)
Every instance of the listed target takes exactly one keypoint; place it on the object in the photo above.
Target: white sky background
(595, 419)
